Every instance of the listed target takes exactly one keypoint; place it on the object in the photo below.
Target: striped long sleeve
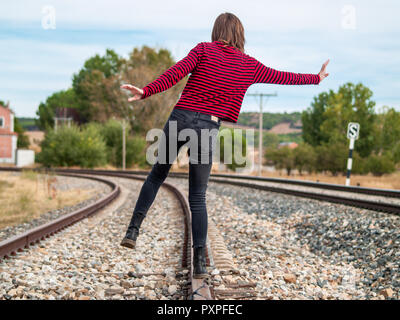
(264, 74)
(174, 74)
(220, 77)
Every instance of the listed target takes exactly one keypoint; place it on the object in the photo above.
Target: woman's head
(228, 28)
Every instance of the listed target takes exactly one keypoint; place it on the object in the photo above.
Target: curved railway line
(256, 183)
(198, 288)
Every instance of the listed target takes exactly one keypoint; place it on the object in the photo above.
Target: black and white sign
(353, 130)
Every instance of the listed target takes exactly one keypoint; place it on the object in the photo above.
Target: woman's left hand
(137, 92)
(323, 74)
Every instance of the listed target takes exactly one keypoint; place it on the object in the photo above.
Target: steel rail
(360, 203)
(22, 241)
(391, 193)
(199, 289)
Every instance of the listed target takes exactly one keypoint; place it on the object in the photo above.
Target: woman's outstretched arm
(170, 77)
(264, 74)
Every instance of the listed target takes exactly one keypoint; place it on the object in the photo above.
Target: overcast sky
(360, 37)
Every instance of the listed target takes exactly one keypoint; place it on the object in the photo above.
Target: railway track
(201, 289)
(280, 186)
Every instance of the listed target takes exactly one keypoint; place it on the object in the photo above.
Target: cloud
(286, 35)
(255, 14)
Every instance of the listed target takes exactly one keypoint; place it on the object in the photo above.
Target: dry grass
(390, 181)
(25, 197)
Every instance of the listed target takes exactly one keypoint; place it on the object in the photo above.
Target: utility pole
(123, 145)
(261, 95)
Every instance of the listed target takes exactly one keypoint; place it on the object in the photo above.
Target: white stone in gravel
(172, 289)
(215, 272)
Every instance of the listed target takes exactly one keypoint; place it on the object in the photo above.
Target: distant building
(8, 138)
(291, 145)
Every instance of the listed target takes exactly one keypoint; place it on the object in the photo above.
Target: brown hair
(228, 29)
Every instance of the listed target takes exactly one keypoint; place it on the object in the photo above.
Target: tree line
(325, 146)
(96, 96)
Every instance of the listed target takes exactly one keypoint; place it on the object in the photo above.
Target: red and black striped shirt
(220, 77)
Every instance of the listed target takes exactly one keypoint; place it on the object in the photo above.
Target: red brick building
(8, 138)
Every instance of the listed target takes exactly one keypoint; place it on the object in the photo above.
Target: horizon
(37, 62)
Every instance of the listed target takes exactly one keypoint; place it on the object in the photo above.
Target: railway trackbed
(218, 256)
(384, 200)
(198, 288)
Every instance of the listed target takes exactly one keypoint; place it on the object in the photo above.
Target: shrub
(111, 132)
(380, 164)
(305, 158)
(235, 158)
(332, 157)
(71, 146)
(396, 153)
(359, 164)
(282, 158)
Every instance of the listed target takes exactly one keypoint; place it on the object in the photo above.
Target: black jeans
(200, 162)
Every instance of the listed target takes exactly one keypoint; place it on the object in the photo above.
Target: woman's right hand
(137, 92)
(322, 73)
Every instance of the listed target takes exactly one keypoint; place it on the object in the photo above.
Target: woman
(220, 74)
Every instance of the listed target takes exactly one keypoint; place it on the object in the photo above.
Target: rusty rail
(199, 289)
(360, 203)
(17, 243)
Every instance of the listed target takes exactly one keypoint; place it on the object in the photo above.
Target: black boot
(199, 262)
(132, 233)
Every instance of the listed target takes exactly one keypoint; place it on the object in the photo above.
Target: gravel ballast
(297, 248)
(86, 261)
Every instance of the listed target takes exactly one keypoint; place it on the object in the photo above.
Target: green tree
(111, 132)
(144, 65)
(359, 164)
(94, 71)
(282, 158)
(72, 146)
(396, 152)
(233, 148)
(332, 157)
(23, 140)
(46, 110)
(305, 158)
(270, 140)
(388, 131)
(313, 118)
(326, 121)
(380, 164)
(97, 86)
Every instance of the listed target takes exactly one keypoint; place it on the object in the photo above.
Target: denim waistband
(199, 115)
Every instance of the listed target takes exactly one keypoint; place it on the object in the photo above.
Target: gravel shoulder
(296, 248)
(85, 261)
(350, 195)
